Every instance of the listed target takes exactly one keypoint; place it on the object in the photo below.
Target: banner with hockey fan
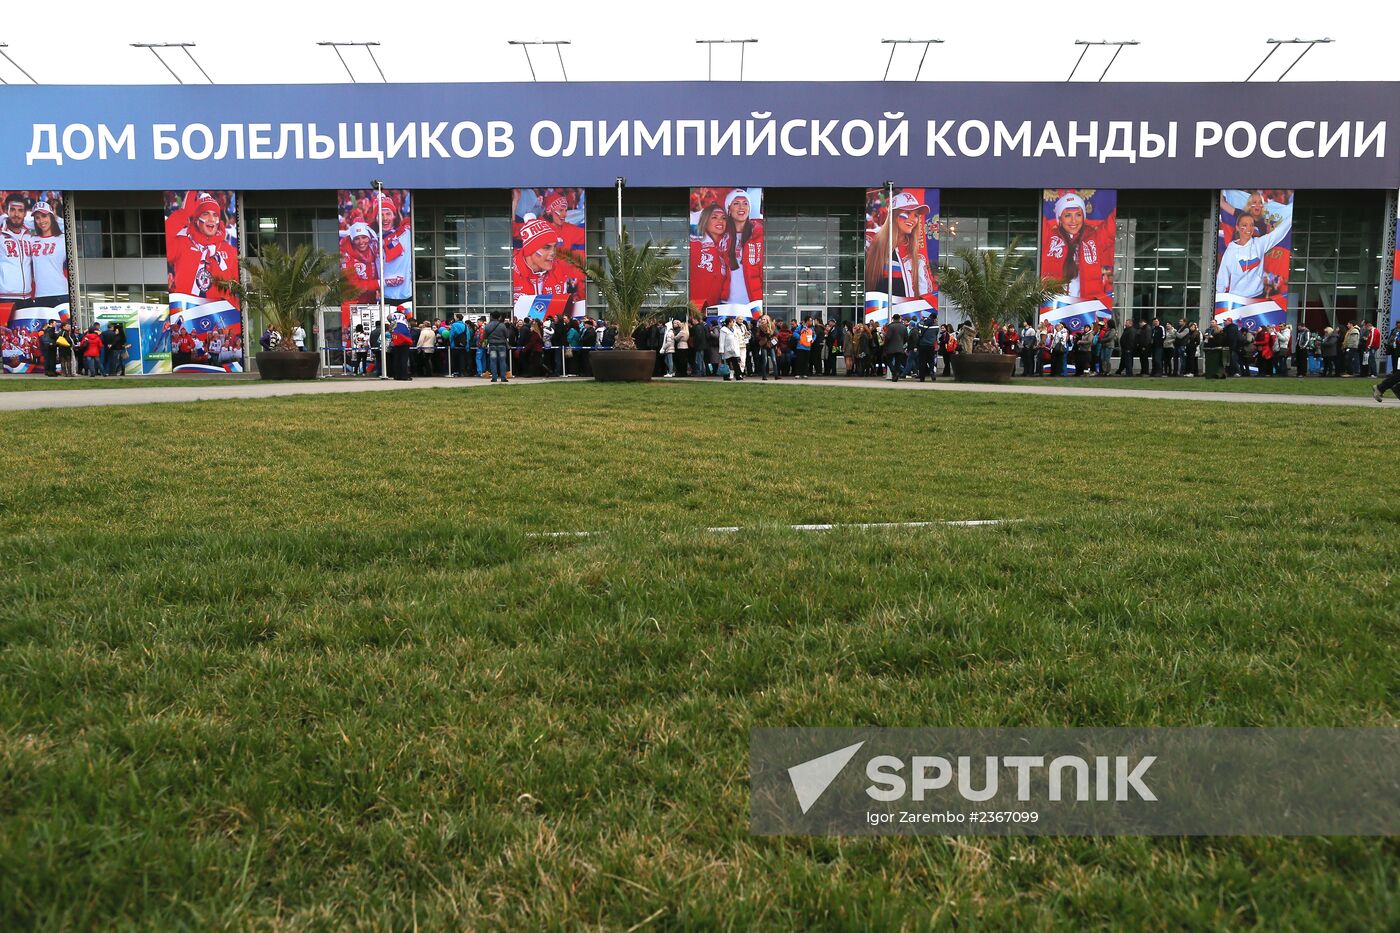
(908, 274)
(201, 255)
(547, 227)
(726, 252)
(1077, 229)
(376, 227)
(1395, 284)
(1256, 254)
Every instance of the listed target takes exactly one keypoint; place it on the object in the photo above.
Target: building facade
(471, 167)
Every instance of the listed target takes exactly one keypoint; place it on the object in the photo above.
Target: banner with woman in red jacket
(901, 253)
(726, 251)
(201, 255)
(1078, 226)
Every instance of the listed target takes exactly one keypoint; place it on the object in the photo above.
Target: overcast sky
(273, 41)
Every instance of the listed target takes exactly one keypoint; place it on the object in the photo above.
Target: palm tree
(988, 288)
(633, 278)
(288, 288)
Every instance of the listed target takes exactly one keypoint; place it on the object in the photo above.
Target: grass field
(298, 663)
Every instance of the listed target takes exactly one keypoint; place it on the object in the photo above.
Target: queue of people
(904, 347)
(553, 346)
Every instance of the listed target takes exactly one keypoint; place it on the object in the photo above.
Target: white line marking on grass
(733, 529)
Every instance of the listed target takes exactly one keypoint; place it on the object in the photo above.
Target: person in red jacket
(536, 269)
(197, 249)
(1072, 252)
(745, 249)
(709, 259)
(92, 350)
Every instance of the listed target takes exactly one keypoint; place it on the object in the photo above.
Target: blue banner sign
(678, 134)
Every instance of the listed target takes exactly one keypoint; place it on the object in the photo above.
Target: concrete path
(81, 398)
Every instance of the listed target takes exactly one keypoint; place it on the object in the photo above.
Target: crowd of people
(552, 346)
(735, 348)
(64, 350)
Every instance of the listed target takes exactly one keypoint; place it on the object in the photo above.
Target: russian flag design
(1075, 315)
(1249, 313)
(201, 317)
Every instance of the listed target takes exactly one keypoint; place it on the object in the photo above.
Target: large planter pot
(282, 364)
(995, 368)
(623, 365)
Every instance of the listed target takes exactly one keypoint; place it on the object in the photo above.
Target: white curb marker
(733, 529)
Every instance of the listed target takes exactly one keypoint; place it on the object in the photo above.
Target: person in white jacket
(729, 348)
(1242, 265)
(668, 348)
(16, 258)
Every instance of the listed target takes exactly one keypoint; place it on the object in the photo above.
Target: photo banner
(1256, 253)
(1077, 230)
(909, 276)
(547, 224)
(201, 256)
(146, 332)
(33, 274)
(726, 251)
(1395, 283)
(372, 223)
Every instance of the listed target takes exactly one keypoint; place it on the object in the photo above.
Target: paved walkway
(81, 398)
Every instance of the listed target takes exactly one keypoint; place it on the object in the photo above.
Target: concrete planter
(282, 364)
(623, 365)
(995, 368)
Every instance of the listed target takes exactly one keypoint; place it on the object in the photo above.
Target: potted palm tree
(633, 284)
(287, 289)
(988, 288)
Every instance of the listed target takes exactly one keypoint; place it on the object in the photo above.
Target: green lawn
(298, 662)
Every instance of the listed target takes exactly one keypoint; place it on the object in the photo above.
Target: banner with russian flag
(539, 307)
(901, 252)
(1077, 231)
(1256, 255)
(202, 256)
(19, 336)
(726, 250)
